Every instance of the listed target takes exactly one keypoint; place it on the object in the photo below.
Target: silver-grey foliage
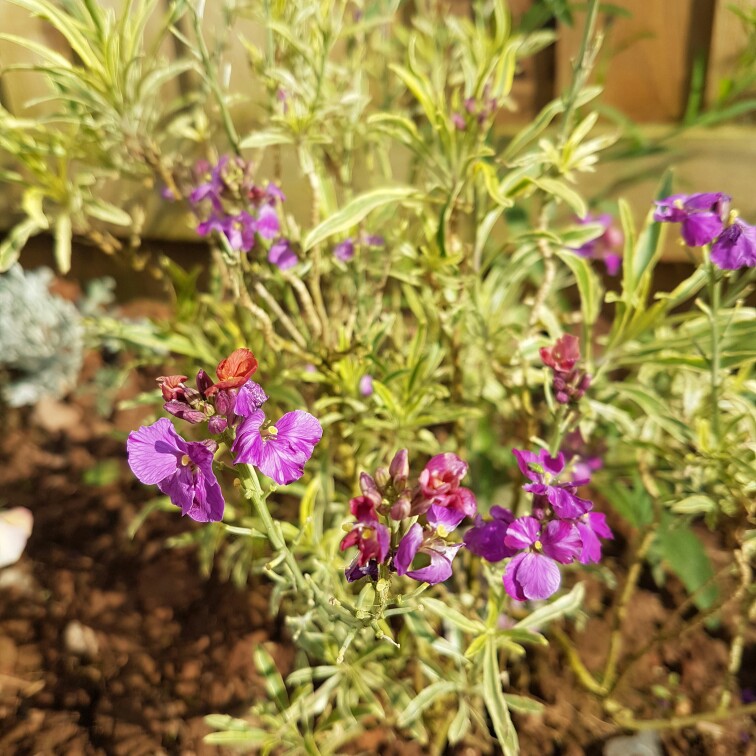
(41, 338)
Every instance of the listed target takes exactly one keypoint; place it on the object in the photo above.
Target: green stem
(687, 721)
(581, 67)
(615, 640)
(715, 296)
(333, 608)
(212, 80)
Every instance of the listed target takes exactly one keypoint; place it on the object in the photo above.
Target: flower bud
(369, 488)
(401, 508)
(217, 424)
(224, 402)
(172, 387)
(382, 478)
(204, 381)
(399, 470)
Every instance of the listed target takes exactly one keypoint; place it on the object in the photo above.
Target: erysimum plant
(451, 422)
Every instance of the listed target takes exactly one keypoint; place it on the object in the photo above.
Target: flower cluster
(607, 247)
(560, 529)
(705, 219)
(569, 383)
(232, 406)
(230, 203)
(346, 249)
(406, 528)
(477, 110)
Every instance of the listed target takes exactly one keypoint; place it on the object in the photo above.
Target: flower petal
(538, 576)
(440, 567)
(561, 541)
(408, 548)
(523, 533)
(154, 451)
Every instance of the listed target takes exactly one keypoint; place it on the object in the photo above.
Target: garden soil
(116, 645)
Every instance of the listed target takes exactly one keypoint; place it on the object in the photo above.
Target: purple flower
(542, 470)
(282, 255)
(279, 451)
(238, 229)
(372, 240)
(183, 470)
(590, 526)
(212, 189)
(701, 215)
(736, 247)
(366, 385)
(249, 399)
(371, 537)
(344, 251)
(607, 247)
(356, 571)
(441, 554)
(534, 574)
(267, 223)
(486, 538)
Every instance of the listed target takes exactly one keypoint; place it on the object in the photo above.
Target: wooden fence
(654, 53)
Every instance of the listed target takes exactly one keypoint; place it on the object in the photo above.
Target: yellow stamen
(538, 546)
(366, 534)
(272, 431)
(442, 531)
(185, 461)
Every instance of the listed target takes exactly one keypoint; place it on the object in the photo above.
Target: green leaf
(563, 192)
(443, 610)
(424, 699)
(14, 242)
(260, 139)
(633, 503)
(587, 282)
(352, 213)
(493, 696)
(555, 610)
(686, 556)
(108, 213)
(460, 724)
(523, 704)
(274, 683)
(696, 504)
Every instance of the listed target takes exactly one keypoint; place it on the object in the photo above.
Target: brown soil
(116, 646)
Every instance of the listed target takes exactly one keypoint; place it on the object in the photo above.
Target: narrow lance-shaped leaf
(493, 697)
(352, 213)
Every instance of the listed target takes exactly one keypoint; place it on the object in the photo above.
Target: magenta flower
(590, 526)
(607, 247)
(440, 495)
(432, 545)
(183, 470)
(282, 255)
(370, 536)
(543, 470)
(534, 573)
(486, 538)
(562, 356)
(736, 247)
(279, 451)
(701, 215)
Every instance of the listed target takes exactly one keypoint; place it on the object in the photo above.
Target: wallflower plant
(440, 294)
